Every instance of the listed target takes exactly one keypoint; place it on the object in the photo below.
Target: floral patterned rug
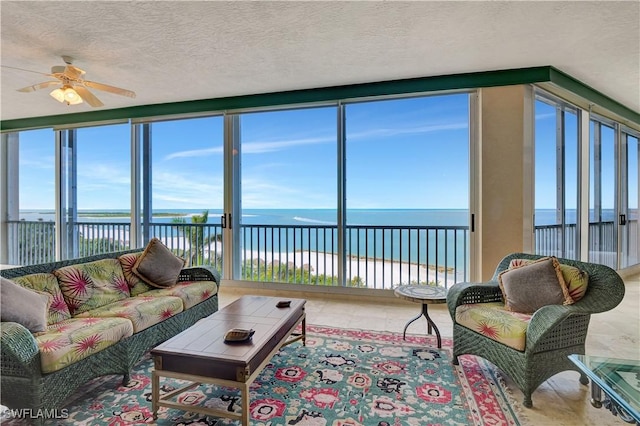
(341, 378)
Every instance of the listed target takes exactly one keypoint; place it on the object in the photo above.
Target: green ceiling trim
(326, 94)
(575, 86)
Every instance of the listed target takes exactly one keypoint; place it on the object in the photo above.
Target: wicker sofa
(29, 381)
(548, 336)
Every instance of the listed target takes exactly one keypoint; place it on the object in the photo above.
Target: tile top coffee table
(426, 295)
(200, 355)
(619, 379)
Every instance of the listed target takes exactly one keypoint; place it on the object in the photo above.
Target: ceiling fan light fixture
(67, 95)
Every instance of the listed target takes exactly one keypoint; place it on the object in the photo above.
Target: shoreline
(374, 272)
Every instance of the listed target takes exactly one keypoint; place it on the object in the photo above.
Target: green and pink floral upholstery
(58, 309)
(496, 322)
(71, 340)
(143, 312)
(88, 286)
(190, 292)
(576, 279)
(136, 285)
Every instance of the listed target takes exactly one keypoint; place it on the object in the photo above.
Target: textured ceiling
(176, 51)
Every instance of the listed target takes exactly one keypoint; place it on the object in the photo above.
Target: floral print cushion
(493, 320)
(142, 311)
(88, 286)
(576, 279)
(48, 283)
(191, 292)
(73, 339)
(136, 285)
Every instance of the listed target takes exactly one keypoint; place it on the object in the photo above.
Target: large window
(407, 191)
(556, 179)
(288, 196)
(186, 192)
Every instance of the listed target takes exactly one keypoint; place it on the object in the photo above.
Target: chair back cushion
(87, 286)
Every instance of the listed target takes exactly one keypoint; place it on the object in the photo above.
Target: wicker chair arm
(18, 347)
(200, 273)
(553, 320)
(467, 293)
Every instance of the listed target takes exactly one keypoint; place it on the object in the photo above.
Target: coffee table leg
(304, 331)
(155, 393)
(245, 404)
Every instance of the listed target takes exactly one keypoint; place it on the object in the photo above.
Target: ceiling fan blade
(86, 95)
(73, 72)
(35, 87)
(110, 89)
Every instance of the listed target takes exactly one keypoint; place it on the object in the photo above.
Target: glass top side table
(619, 379)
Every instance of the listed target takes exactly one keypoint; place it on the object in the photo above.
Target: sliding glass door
(630, 184)
(407, 191)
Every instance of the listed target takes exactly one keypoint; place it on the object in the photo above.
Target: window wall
(367, 193)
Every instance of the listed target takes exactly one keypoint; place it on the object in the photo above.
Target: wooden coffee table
(200, 355)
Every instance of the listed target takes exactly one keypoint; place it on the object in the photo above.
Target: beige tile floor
(560, 401)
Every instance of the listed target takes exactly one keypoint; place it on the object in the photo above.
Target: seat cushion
(71, 340)
(495, 321)
(190, 292)
(136, 285)
(88, 286)
(58, 310)
(142, 311)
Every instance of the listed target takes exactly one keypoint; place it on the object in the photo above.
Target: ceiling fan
(73, 87)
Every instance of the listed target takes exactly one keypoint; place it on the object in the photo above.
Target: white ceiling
(179, 50)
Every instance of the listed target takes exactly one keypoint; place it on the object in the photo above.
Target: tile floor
(560, 401)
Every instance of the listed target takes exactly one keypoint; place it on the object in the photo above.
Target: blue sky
(410, 153)
(405, 153)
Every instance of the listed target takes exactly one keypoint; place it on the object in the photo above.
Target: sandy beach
(374, 273)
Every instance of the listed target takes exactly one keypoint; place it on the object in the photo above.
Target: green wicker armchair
(553, 333)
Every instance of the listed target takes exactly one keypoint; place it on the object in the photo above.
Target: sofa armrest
(200, 273)
(467, 293)
(19, 349)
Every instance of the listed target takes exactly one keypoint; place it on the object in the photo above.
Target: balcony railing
(378, 257)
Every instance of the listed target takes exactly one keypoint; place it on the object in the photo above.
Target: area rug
(342, 377)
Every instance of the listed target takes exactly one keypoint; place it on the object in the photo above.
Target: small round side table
(426, 295)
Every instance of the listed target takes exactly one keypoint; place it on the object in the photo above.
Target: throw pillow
(26, 307)
(158, 266)
(576, 279)
(528, 288)
(136, 285)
